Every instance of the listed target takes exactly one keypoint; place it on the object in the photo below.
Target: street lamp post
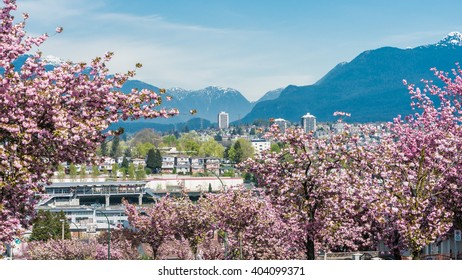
(108, 234)
(214, 174)
(62, 228)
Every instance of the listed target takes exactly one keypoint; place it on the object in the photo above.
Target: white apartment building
(223, 120)
(260, 145)
(308, 122)
(282, 124)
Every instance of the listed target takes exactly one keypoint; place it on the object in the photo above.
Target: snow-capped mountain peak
(217, 88)
(452, 39)
(53, 60)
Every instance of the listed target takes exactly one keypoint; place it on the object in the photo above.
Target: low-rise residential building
(197, 165)
(212, 164)
(139, 162)
(182, 164)
(168, 164)
(106, 164)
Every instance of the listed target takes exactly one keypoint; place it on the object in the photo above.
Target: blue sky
(252, 46)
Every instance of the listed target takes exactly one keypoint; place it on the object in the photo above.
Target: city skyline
(252, 46)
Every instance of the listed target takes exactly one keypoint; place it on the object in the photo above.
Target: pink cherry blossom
(48, 117)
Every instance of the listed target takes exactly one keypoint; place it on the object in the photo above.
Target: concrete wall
(192, 183)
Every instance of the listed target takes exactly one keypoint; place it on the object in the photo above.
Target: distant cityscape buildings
(308, 122)
(223, 120)
(282, 124)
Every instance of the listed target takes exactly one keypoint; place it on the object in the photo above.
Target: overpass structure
(74, 193)
(62, 194)
(91, 207)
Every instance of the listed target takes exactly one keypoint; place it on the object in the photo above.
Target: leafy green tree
(211, 148)
(131, 171)
(147, 135)
(275, 148)
(95, 171)
(218, 137)
(228, 173)
(169, 141)
(61, 171)
(83, 171)
(189, 143)
(142, 149)
(73, 171)
(140, 173)
(115, 169)
(123, 172)
(48, 225)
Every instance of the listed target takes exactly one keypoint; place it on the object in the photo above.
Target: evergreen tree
(48, 225)
(158, 161)
(218, 137)
(115, 147)
(125, 163)
(128, 152)
(104, 148)
(150, 159)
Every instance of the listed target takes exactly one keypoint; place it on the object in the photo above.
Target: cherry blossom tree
(420, 167)
(192, 221)
(236, 224)
(321, 187)
(152, 225)
(80, 250)
(251, 227)
(47, 117)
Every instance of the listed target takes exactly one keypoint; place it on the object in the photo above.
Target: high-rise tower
(223, 120)
(308, 122)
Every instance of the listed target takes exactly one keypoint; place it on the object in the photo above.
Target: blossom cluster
(51, 116)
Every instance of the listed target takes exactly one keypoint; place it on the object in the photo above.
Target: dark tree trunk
(309, 249)
(396, 254)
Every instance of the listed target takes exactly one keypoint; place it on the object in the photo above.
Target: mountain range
(370, 87)
(207, 102)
